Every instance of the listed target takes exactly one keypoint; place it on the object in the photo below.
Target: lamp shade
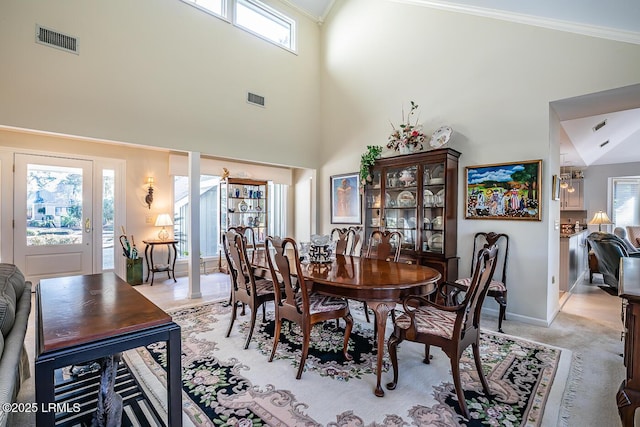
(600, 218)
(163, 220)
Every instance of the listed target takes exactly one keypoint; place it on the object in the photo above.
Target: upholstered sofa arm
(14, 363)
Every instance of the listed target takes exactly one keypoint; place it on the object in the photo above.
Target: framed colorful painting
(345, 199)
(504, 191)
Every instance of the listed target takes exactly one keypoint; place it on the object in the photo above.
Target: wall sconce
(149, 197)
(163, 220)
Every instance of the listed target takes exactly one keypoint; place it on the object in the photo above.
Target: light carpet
(223, 384)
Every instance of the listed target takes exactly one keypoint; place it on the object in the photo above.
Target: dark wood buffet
(628, 396)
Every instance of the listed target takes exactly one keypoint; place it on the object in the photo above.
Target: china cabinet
(245, 202)
(416, 195)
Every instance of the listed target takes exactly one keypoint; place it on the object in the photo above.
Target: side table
(169, 267)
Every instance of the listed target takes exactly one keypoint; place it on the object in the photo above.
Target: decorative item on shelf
(600, 218)
(225, 174)
(407, 137)
(163, 221)
(149, 197)
(243, 206)
(440, 137)
(408, 177)
(367, 160)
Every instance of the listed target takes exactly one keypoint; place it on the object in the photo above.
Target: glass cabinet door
(373, 205)
(401, 202)
(433, 207)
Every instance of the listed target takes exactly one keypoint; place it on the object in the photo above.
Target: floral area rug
(224, 384)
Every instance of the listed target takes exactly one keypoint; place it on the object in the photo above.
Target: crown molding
(553, 24)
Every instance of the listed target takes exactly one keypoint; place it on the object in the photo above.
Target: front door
(53, 230)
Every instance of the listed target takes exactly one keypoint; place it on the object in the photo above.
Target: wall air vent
(57, 40)
(599, 125)
(254, 99)
(604, 143)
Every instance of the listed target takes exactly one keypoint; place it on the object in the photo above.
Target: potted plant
(367, 160)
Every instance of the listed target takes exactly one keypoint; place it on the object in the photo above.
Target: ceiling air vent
(604, 143)
(254, 99)
(600, 125)
(55, 39)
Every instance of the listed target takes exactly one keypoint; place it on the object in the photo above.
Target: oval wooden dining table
(381, 284)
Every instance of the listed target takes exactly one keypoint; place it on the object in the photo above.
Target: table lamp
(600, 218)
(163, 220)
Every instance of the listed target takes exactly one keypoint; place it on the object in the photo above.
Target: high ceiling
(618, 108)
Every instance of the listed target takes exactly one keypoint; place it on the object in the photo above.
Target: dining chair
(452, 328)
(384, 245)
(246, 288)
(296, 302)
(343, 238)
(249, 235)
(356, 247)
(498, 286)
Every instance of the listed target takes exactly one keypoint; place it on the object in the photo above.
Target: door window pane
(108, 203)
(54, 205)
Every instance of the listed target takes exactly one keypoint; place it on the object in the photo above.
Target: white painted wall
(491, 80)
(596, 184)
(161, 73)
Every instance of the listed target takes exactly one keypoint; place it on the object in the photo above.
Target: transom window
(255, 17)
(216, 7)
(260, 19)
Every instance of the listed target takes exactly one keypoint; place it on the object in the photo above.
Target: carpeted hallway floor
(588, 324)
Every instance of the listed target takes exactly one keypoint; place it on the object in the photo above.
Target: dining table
(379, 283)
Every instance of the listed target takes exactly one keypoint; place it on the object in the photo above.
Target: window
(265, 22)
(626, 201)
(108, 211)
(210, 244)
(216, 7)
(209, 222)
(254, 17)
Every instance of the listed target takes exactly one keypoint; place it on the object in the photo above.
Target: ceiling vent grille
(599, 125)
(254, 99)
(57, 40)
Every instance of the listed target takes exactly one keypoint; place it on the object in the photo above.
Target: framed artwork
(504, 191)
(345, 199)
(555, 189)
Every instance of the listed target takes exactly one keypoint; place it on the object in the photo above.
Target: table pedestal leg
(382, 311)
